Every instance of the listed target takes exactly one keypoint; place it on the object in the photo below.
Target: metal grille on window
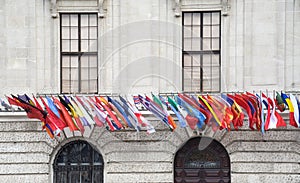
(202, 159)
(201, 51)
(78, 162)
(79, 53)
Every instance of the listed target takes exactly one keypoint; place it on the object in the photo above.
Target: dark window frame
(78, 160)
(79, 53)
(202, 159)
(201, 52)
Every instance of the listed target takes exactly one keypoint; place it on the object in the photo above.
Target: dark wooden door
(202, 160)
(78, 162)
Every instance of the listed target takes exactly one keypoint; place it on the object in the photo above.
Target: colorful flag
(137, 115)
(180, 118)
(291, 109)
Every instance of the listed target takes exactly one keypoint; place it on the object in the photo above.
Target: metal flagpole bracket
(177, 8)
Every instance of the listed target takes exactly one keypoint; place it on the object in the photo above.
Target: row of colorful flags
(223, 111)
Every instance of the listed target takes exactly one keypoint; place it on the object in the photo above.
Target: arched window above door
(78, 162)
(201, 160)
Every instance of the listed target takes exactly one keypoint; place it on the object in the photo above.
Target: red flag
(66, 115)
(32, 111)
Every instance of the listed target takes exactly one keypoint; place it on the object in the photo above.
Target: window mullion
(80, 53)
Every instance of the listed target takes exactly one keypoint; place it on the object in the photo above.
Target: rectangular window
(79, 52)
(201, 58)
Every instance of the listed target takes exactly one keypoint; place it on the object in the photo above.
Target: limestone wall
(140, 44)
(26, 153)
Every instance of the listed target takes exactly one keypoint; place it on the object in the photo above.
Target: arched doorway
(202, 160)
(78, 162)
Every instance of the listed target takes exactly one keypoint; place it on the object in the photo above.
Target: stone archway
(78, 162)
(202, 160)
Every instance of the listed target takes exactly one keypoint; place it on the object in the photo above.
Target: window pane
(74, 61)
(187, 60)
(74, 45)
(65, 61)
(215, 72)
(216, 18)
(197, 60)
(196, 31)
(93, 45)
(85, 86)
(93, 20)
(196, 44)
(74, 20)
(93, 73)
(93, 33)
(187, 72)
(84, 73)
(206, 31)
(206, 18)
(206, 60)
(187, 44)
(206, 85)
(74, 86)
(187, 19)
(84, 61)
(206, 44)
(196, 19)
(215, 44)
(93, 61)
(65, 33)
(65, 45)
(74, 32)
(215, 85)
(206, 72)
(84, 45)
(215, 31)
(187, 31)
(93, 86)
(215, 78)
(65, 86)
(74, 74)
(65, 74)
(196, 73)
(215, 60)
(84, 33)
(84, 20)
(65, 20)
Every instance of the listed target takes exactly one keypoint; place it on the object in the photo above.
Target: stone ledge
(265, 157)
(24, 169)
(11, 147)
(263, 146)
(139, 146)
(141, 178)
(263, 178)
(27, 137)
(142, 167)
(29, 178)
(10, 158)
(131, 156)
(21, 126)
(285, 168)
(274, 135)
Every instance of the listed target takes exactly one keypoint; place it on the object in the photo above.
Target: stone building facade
(140, 48)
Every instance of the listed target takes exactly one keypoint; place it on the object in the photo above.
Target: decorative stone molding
(54, 13)
(225, 7)
(177, 8)
(101, 8)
